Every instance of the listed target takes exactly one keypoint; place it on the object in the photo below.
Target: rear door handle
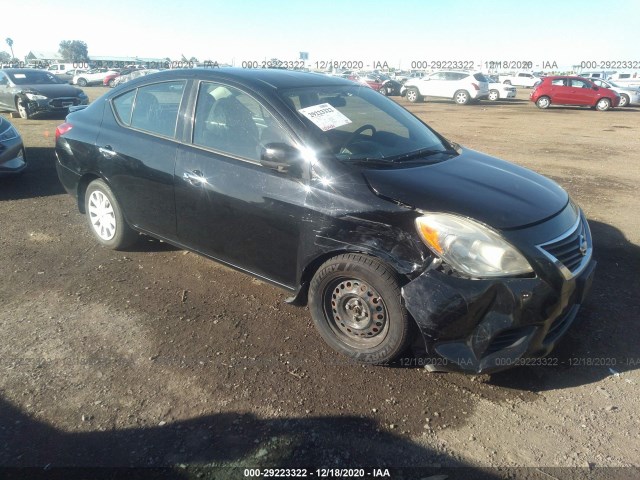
(107, 151)
(194, 177)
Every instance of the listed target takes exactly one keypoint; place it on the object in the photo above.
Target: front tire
(112, 83)
(413, 95)
(494, 95)
(105, 217)
(543, 102)
(23, 108)
(356, 306)
(82, 82)
(603, 105)
(461, 97)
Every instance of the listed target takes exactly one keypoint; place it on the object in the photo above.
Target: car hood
(493, 191)
(52, 90)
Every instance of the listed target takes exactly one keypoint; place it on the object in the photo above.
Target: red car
(563, 90)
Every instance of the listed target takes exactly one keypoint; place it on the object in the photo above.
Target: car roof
(575, 77)
(23, 70)
(256, 78)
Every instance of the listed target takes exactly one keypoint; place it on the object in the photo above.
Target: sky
(398, 33)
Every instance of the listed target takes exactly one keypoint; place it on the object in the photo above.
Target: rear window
(480, 77)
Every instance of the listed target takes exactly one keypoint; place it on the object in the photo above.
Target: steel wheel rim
(602, 105)
(543, 102)
(102, 215)
(356, 313)
(623, 100)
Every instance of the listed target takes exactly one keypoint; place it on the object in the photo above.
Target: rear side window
(559, 82)
(155, 108)
(123, 106)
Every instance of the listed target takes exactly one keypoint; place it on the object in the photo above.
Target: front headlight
(35, 96)
(82, 95)
(470, 247)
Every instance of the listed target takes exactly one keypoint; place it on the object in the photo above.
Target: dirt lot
(158, 357)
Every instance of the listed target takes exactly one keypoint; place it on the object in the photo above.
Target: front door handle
(107, 151)
(194, 177)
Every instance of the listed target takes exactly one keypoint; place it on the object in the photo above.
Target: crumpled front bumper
(483, 326)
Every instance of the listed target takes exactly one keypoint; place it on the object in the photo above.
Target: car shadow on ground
(605, 341)
(40, 178)
(229, 439)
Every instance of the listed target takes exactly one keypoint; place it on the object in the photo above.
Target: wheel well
(311, 269)
(82, 188)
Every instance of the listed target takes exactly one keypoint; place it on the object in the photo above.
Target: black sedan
(12, 156)
(30, 92)
(394, 236)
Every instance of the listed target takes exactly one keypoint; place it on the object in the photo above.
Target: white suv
(460, 86)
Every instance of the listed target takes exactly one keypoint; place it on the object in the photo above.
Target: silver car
(12, 156)
(628, 95)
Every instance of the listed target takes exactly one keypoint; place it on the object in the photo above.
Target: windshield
(34, 77)
(355, 123)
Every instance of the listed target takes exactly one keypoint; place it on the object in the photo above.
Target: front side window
(356, 124)
(231, 121)
(155, 107)
(579, 84)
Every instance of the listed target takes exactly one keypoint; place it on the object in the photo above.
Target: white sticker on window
(325, 117)
(19, 75)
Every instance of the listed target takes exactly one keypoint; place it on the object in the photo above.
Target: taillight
(475, 86)
(62, 129)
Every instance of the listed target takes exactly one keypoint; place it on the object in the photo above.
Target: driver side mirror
(596, 88)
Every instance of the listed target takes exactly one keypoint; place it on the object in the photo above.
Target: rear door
(228, 205)
(137, 149)
(559, 91)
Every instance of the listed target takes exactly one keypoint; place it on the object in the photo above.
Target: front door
(228, 205)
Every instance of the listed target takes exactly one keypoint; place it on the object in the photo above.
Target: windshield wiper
(424, 152)
(367, 161)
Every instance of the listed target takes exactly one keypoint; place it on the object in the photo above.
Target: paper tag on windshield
(19, 75)
(324, 116)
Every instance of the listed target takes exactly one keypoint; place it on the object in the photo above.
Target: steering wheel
(355, 134)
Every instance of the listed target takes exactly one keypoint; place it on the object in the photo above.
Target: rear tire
(543, 102)
(356, 306)
(105, 217)
(461, 97)
(624, 100)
